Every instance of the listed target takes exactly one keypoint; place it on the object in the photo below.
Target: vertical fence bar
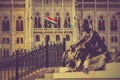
(64, 48)
(17, 65)
(8, 73)
(46, 46)
(0, 75)
(12, 72)
(4, 74)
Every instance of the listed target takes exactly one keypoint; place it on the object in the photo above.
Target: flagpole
(52, 26)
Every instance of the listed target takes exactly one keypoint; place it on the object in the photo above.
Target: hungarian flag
(49, 19)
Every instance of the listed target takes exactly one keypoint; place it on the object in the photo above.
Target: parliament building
(23, 24)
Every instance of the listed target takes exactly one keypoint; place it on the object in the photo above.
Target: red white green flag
(50, 20)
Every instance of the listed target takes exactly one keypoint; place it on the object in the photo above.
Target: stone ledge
(112, 66)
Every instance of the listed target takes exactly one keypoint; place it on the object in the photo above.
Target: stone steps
(111, 72)
(39, 74)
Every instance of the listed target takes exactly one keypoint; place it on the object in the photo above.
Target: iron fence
(20, 65)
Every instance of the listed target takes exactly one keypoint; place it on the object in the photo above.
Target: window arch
(21, 40)
(6, 40)
(5, 24)
(17, 40)
(5, 52)
(113, 24)
(67, 37)
(37, 38)
(90, 22)
(67, 21)
(57, 18)
(57, 37)
(114, 39)
(47, 24)
(101, 23)
(48, 37)
(37, 21)
(19, 24)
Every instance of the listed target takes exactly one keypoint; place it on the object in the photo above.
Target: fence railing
(20, 65)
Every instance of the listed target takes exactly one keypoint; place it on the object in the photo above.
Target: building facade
(63, 11)
(23, 24)
(14, 26)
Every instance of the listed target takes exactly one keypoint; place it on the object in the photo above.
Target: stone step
(90, 75)
(112, 66)
(47, 77)
(39, 74)
(93, 75)
(70, 75)
(111, 72)
(61, 69)
(104, 74)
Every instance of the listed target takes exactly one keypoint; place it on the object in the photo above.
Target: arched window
(47, 24)
(57, 37)
(17, 40)
(39, 22)
(4, 40)
(21, 40)
(69, 24)
(19, 24)
(101, 23)
(35, 22)
(113, 24)
(7, 52)
(67, 37)
(5, 24)
(4, 53)
(57, 18)
(67, 21)
(112, 39)
(48, 37)
(8, 41)
(115, 38)
(90, 22)
(37, 38)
